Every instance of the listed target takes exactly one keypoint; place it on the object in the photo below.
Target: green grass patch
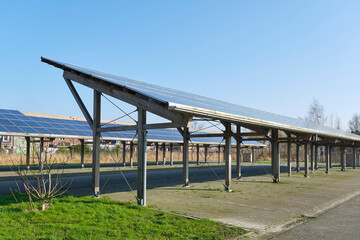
(73, 217)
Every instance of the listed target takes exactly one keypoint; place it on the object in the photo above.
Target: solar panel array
(14, 122)
(187, 102)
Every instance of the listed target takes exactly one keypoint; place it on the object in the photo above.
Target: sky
(277, 56)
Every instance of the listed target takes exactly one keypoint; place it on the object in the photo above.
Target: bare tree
(354, 124)
(40, 184)
(316, 113)
(334, 122)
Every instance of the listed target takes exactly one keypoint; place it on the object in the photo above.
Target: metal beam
(141, 162)
(79, 101)
(96, 144)
(219, 154)
(205, 135)
(311, 158)
(41, 157)
(141, 101)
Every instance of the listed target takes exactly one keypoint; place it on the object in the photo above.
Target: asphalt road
(155, 178)
(342, 222)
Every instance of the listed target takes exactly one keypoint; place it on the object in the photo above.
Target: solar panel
(204, 106)
(31, 125)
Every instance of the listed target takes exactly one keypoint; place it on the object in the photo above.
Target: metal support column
(141, 161)
(227, 136)
(330, 156)
(343, 166)
(219, 154)
(289, 158)
(311, 158)
(275, 154)
(186, 156)
(297, 157)
(27, 152)
(131, 154)
(82, 152)
(41, 157)
(157, 153)
(238, 152)
(171, 155)
(354, 157)
(206, 152)
(164, 154)
(327, 158)
(197, 154)
(124, 153)
(96, 144)
(306, 160)
(316, 155)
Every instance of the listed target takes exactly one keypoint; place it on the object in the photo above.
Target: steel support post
(227, 136)
(131, 154)
(164, 154)
(354, 157)
(157, 153)
(312, 158)
(82, 152)
(206, 153)
(297, 157)
(238, 152)
(252, 154)
(306, 160)
(316, 155)
(141, 161)
(96, 144)
(289, 158)
(197, 154)
(124, 153)
(327, 159)
(171, 155)
(219, 154)
(343, 166)
(275, 155)
(330, 156)
(27, 152)
(186, 156)
(41, 157)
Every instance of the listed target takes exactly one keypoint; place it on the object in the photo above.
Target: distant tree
(354, 124)
(316, 113)
(334, 122)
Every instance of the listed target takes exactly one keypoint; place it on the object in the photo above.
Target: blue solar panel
(62, 127)
(203, 106)
(5, 122)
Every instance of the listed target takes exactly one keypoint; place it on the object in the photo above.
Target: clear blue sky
(271, 55)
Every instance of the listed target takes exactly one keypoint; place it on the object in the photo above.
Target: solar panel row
(12, 121)
(187, 102)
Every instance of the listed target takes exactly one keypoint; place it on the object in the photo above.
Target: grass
(88, 218)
